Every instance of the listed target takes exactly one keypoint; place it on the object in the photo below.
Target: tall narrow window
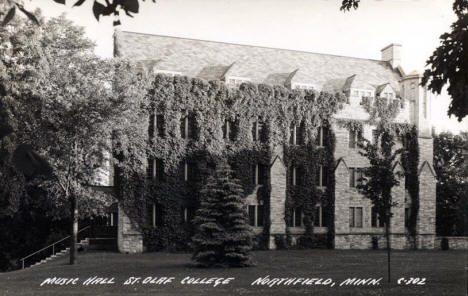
(159, 122)
(352, 139)
(318, 218)
(293, 136)
(259, 174)
(256, 215)
(355, 217)
(295, 218)
(190, 171)
(187, 214)
(184, 127)
(293, 176)
(321, 176)
(151, 126)
(375, 136)
(259, 131)
(376, 221)
(352, 177)
(226, 129)
(319, 137)
(188, 127)
(407, 217)
(156, 215)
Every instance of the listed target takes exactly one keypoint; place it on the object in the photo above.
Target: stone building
(355, 222)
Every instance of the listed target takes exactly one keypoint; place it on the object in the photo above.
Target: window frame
(352, 139)
(293, 218)
(353, 217)
(320, 217)
(256, 210)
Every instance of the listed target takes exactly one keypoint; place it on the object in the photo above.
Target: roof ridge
(250, 45)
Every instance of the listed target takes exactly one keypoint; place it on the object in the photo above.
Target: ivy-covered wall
(260, 118)
(195, 122)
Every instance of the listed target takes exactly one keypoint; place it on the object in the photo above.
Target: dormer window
(167, 73)
(302, 86)
(236, 81)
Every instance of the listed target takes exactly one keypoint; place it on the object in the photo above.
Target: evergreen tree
(223, 236)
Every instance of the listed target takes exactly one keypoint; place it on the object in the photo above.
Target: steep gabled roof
(193, 57)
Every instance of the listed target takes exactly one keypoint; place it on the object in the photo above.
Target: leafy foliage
(223, 236)
(452, 184)
(347, 5)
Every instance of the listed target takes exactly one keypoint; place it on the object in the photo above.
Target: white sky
(310, 25)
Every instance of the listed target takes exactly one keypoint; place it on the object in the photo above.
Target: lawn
(444, 273)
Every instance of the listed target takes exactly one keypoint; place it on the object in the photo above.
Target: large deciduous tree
(74, 108)
(451, 168)
(448, 64)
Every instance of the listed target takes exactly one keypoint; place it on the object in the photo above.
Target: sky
(309, 25)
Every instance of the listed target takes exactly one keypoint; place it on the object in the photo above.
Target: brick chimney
(392, 54)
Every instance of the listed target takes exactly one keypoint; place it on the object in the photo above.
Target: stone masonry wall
(277, 196)
(427, 196)
(129, 239)
(347, 237)
(455, 242)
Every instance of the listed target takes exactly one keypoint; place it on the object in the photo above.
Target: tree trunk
(74, 228)
(387, 236)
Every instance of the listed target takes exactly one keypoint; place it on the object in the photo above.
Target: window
(259, 174)
(355, 177)
(292, 138)
(111, 219)
(322, 135)
(236, 81)
(295, 219)
(407, 216)
(155, 215)
(230, 128)
(302, 86)
(256, 215)
(321, 176)
(297, 176)
(155, 170)
(352, 139)
(188, 128)
(375, 219)
(190, 171)
(159, 125)
(156, 124)
(258, 131)
(375, 136)
(355, 217)
(318, 217)
(187, 214)
(167, 73)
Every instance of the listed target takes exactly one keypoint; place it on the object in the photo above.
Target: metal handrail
(51, 245)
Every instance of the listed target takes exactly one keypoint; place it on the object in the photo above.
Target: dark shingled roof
(215, 60)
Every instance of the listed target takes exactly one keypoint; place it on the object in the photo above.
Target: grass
(444, 271)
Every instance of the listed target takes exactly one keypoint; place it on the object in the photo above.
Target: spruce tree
(223, 236)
